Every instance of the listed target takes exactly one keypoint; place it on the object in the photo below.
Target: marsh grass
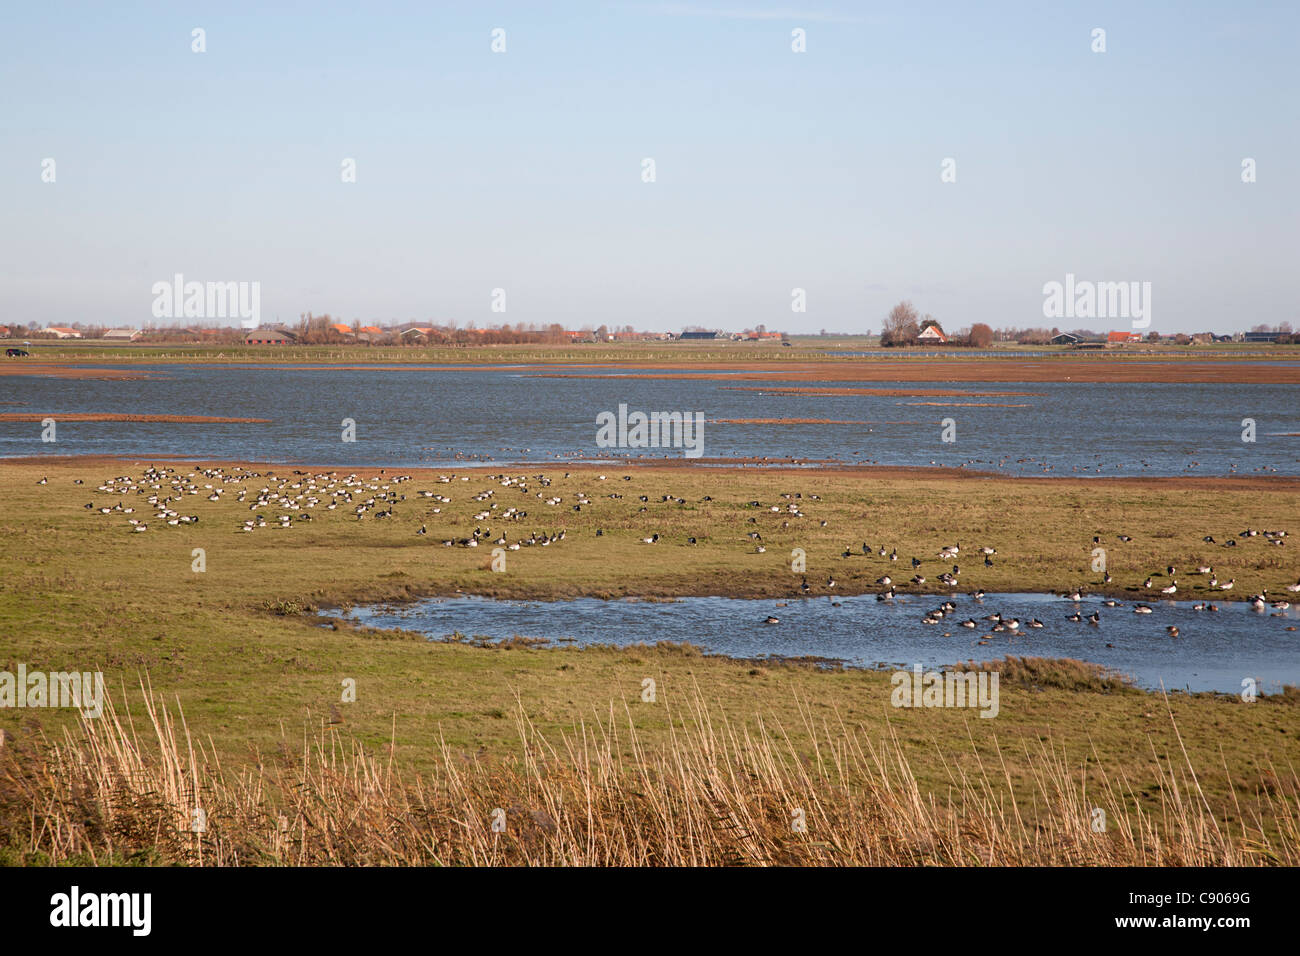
(710, 792)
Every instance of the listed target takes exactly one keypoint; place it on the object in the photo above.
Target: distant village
(314, 330)
(323, 330)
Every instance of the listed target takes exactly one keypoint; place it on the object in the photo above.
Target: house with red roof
(1123, 338)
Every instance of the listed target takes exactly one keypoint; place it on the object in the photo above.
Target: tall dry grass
(713, 793)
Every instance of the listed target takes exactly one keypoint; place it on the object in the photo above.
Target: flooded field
(1212, 650)
(430, 416)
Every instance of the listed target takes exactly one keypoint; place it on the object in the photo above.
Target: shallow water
(1213, 651)
(430, 416)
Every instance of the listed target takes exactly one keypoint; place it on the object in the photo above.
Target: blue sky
(774, 170)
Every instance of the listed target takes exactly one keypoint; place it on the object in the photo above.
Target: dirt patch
(115, 417)
(75, 371)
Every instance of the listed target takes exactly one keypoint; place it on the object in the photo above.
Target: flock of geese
(281, 501)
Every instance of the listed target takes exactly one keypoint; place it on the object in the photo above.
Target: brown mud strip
(114, 417)
(16, 367)
(885, 392)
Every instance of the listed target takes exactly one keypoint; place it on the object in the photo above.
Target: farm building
(270, 337)
(698, 335)
(59, 332)
(932, 335)
(1063, 338)
(1123, 338)
(126, 335)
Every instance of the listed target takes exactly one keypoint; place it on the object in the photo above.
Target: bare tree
(900, 327)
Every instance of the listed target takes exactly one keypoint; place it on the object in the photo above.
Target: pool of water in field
(434, 415)
(1213, 650)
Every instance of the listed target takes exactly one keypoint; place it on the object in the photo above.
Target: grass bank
(237, 649)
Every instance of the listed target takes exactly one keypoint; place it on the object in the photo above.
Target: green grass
(251, 672)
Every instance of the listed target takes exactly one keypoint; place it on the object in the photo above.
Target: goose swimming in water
(1076, 617)
(772, 620)
(1035, 623)
(1141, 609)
(1173, 630)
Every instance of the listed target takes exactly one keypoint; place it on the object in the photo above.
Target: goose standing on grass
(1228, 586)
(1171, 588)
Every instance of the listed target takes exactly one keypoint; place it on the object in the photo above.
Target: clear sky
(774, 170)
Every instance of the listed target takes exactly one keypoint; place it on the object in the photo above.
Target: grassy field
(238, 650)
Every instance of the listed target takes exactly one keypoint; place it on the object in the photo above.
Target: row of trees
(903, 326)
